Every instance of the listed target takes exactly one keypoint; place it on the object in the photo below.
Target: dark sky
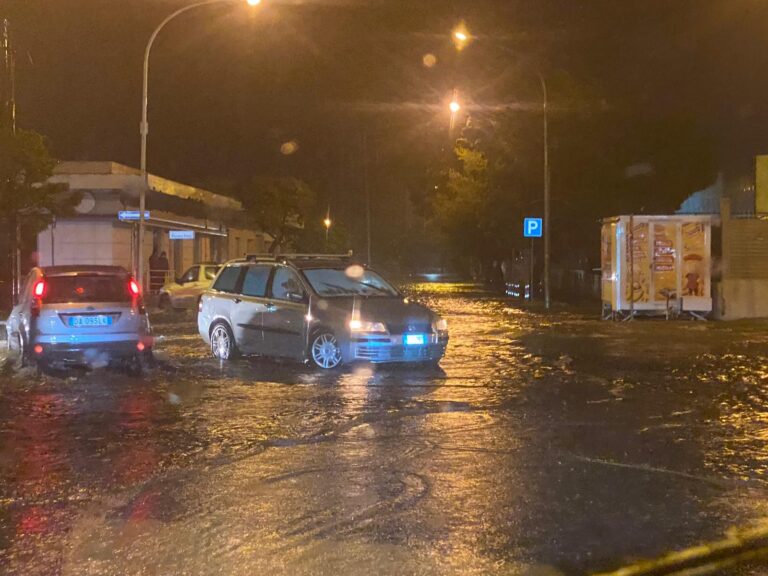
(230, 84)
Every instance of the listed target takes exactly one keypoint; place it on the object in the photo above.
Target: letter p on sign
(532, 228)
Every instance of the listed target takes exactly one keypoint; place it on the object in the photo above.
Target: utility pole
(9, 125)
(9, 80)
(367, 198)
(547, 220)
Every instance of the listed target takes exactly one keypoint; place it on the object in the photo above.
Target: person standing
(163, 268)
(153, 263)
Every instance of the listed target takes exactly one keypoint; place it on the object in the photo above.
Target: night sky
(230, 84)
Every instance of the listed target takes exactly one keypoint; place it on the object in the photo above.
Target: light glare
(461, 36)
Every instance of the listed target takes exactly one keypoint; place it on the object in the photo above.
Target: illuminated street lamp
(144, 127)
(461, 37)
(455, 107)
(327, 223)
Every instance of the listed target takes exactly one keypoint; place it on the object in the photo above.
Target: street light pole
(546, 191)
(144, 126)
(461, 37)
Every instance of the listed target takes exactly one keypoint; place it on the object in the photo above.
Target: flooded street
(543, 441)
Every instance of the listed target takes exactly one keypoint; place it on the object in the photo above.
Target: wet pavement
(545, 442)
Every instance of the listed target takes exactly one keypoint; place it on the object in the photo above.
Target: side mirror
(180, 281)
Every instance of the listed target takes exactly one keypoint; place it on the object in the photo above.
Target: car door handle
(271, 308)
(236, 300)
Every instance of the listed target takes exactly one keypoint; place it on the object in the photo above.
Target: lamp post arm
(145, 77)
(144, 130)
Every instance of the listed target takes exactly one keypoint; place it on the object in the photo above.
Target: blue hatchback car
(84, 315)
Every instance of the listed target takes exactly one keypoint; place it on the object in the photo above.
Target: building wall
(80, 241)
(743, 289)
(243, 242)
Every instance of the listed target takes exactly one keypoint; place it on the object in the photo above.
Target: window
(227, 280)
(255, 282)
(87, 288)
(191, 275)
(285, 282)
(210, 272)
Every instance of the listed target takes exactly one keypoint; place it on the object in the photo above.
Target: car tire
(324, 350)
(140, 362)
(135, 366)
(42, 367)
(223, 344)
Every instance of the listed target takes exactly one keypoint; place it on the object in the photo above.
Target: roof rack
(285, 257)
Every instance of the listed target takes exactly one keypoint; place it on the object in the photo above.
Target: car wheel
(223, 345)
(43, 367)
(134, 366)
(325, 351)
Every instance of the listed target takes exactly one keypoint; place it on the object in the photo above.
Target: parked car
(185, 291)
(321, 309)
(81, 315)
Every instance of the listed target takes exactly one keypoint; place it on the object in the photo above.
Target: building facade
(101, 232)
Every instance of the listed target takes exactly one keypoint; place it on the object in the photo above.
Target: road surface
(546, 443)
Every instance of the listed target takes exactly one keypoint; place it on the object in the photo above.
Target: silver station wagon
(321, 309)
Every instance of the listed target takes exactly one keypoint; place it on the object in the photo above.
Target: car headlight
(441, 325)
(364, 326)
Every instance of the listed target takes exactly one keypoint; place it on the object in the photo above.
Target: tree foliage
(25, 196)
(281, 207)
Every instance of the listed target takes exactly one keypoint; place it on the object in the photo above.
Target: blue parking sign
(533, 228)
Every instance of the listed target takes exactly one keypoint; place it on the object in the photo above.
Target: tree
(478, 204)
(281, 207)
(312, 237)
(25, 196)
(459, 203)
(28, 204)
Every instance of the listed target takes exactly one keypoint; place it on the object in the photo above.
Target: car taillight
(39, 289)
(133, 287)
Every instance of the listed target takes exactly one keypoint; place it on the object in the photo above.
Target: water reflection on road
(544, 440)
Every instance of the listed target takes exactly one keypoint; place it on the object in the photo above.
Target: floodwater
(545, 443)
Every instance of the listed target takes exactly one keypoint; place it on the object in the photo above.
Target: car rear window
(86, 288)
(227, 280)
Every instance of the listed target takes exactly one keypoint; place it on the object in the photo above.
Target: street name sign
(131, 215)
(181, 234)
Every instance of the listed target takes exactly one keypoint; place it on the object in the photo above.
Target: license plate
(415, 339)
(80, 321)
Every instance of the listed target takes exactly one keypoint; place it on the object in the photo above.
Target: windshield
(353, 281)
